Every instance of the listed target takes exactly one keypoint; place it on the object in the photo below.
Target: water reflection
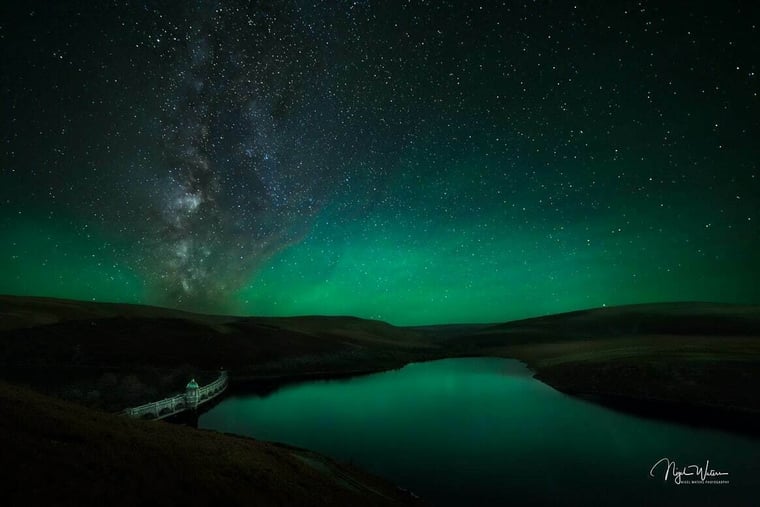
(483, 431)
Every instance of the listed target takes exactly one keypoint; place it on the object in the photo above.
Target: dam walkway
(193, 396)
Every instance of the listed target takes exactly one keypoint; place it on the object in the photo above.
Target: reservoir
(482, 431)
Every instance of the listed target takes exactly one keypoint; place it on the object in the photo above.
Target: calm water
(483, 432)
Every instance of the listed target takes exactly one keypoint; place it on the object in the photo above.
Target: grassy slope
(112, 356)
(689, 354)
(57, 453)
(698, 354)
(694, 355)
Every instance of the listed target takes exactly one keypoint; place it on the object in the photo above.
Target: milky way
(416, 161)
(255, 142)
(239, 180)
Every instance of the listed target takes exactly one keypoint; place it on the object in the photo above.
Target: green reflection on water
(482, 431)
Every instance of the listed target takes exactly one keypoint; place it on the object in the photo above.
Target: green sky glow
(434, 164)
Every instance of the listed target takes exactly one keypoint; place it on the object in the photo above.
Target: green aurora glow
(516, 163)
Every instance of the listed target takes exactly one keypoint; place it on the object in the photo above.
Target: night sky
(416, 162)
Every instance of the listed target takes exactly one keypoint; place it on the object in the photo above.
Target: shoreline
(734, 420)
(688, 362)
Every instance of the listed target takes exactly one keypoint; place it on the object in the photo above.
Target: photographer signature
(678, 474)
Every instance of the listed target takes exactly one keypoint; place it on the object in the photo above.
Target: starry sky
(411, 161)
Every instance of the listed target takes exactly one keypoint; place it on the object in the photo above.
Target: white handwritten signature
(671, 470)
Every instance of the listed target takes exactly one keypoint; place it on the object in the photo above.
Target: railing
(181, 402)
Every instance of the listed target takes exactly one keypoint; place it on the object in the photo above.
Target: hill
(690, 361)
(58, 453)
(114, 355)
(669, 358)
